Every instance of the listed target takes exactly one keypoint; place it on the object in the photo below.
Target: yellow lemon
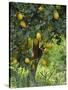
(13, 60)
(46, 50)
(56, 15)
(27, 61)
(58, 6)
(41, 8)
(38, 36)
(23, 24)
(19, 16)
(35, 42)
(44, 62)
(49, 45)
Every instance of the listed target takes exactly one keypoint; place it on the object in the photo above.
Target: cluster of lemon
(55, 12)
(13, 61)
(30, 62)
(35, 40)
(47, 46)
(38, 38)
(20, 17)
(27, 61)
(23, 24)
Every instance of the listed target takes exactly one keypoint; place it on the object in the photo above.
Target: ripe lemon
(13, 60)
(35, 42)
(23, 24)
(58, 7)
(19, 16)
(44, 62)
(38, 36)
(49, 45)
(56, 15)
(41, 8)
(27, 61)
(46, 50)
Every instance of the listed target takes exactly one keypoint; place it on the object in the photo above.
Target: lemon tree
(37, 30)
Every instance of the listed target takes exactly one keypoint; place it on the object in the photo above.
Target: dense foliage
(32, 24)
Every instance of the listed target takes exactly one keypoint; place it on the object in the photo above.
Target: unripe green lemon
(33, 67)
(19, 16)
(35, 42)
(27, 61)
(30, 42)
(38, 36)
(56, 15)
(23, 24)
